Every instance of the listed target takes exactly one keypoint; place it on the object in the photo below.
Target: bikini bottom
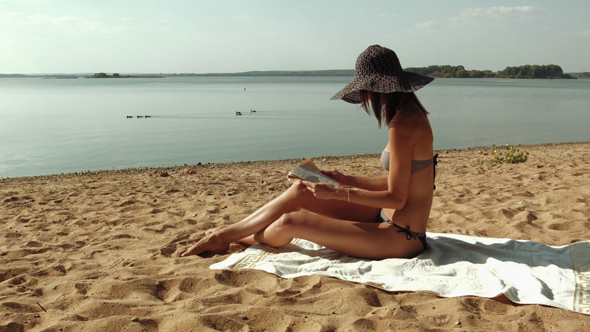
(409, 234)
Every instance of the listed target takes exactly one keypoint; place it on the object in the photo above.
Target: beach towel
(526, 272)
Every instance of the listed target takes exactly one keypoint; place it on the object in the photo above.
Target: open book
(308, 171)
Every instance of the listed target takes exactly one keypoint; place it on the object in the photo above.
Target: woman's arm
(375, 183)
(395, 194)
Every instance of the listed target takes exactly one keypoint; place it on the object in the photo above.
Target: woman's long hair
(384, 105)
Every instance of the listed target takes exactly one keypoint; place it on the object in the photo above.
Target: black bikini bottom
(409, 234)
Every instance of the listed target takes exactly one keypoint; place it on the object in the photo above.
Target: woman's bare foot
(211, 242)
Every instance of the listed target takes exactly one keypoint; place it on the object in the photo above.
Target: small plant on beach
(30, 189)
(512, 155)
(12, 193)
(358, 164)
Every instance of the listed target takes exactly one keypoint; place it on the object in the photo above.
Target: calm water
(50, 126)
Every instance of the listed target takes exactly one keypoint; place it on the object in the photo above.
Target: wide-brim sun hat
(378, 69)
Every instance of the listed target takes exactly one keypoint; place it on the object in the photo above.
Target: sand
(98, 251)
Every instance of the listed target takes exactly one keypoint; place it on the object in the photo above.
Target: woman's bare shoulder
(413, 127)
(409, 118)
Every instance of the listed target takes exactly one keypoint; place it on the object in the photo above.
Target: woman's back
(416, 211)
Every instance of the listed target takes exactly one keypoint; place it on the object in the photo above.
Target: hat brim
(407, 82)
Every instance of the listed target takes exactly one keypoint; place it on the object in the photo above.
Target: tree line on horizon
(444, 71)
(117, 75)
(525, 71)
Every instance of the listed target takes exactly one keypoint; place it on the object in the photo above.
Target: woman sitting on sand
(366, 217)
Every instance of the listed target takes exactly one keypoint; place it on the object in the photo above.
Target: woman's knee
(297, 195)
(290, 220)
(298, 188)
(280, 232)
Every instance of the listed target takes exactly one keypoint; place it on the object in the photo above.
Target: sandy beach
(98, 251)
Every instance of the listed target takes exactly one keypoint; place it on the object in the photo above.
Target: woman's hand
(335, 175)
(321, 190)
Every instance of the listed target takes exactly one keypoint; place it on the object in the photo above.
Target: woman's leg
(293, 199)
(363, 240)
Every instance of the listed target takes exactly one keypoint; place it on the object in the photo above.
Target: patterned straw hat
(378, 69)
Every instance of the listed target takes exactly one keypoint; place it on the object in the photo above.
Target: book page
(308, 171)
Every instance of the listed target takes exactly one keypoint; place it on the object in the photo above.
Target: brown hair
(384, 105)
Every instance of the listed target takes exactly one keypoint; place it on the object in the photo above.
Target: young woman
(365, 217)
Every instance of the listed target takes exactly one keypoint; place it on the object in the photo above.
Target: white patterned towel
(453, 265)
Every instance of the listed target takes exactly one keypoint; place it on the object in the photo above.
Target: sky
(225, 36)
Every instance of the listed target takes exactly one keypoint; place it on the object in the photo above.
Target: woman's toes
(210, 242)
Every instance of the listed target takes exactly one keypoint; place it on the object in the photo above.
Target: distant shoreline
(126, 76)
(74, 76)
(271, 73)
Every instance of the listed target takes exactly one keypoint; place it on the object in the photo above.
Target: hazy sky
(200, 36)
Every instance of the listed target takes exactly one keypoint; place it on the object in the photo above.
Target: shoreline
(98, 251)
(140, 170)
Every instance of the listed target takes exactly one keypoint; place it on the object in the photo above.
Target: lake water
(51, 126)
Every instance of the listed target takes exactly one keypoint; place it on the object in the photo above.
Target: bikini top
(416, 164)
